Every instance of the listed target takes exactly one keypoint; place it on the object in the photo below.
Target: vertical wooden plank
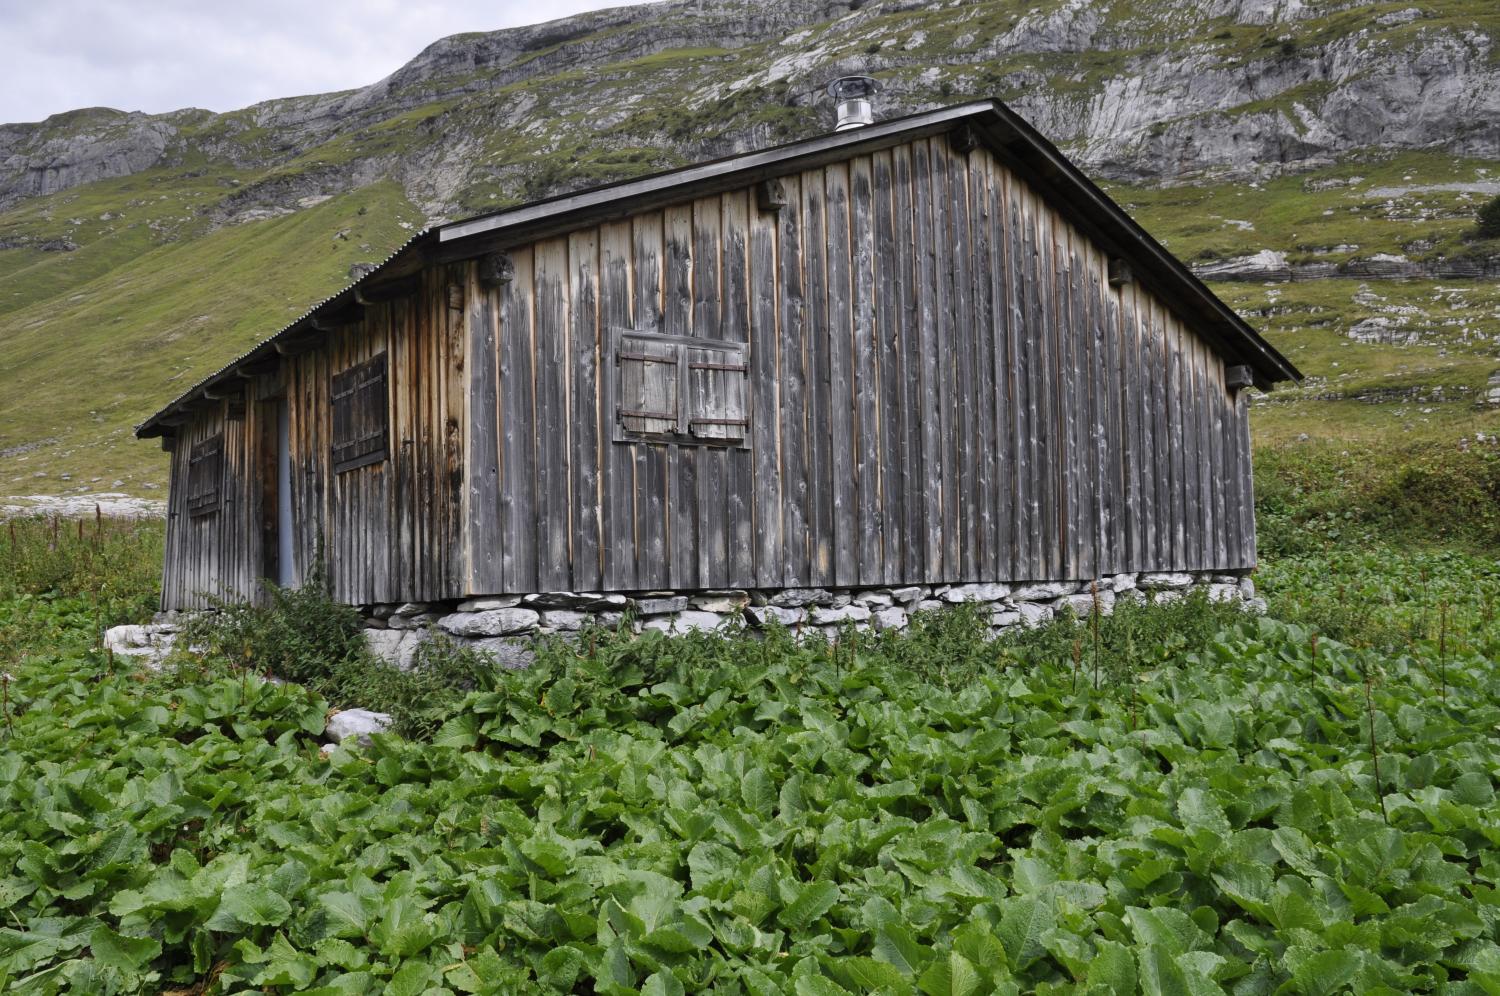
(1217, 393)
(793, 376)
(911, 366)
(583, 414)
(517, 497)
(950, 435)
(966, 543)
(652, 566)
(1154, 369)
(985, 397)
(1247, 480)
(552, 432)
(1002, 362)
(928, 356)
(1177, 413)
(866, 513)
(1025, 340)
(765, 397)
(1046, 377)
(889, 277)
(819, 382)
(735, 289)
(617, 463)
(836, 342)
(677, 319)
(1069, 398)
(712, 549)
(1136, 453)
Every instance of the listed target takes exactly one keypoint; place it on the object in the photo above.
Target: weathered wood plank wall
(944, 386)
(391, 531)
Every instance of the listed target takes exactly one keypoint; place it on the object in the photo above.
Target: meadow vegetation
(1174, 798)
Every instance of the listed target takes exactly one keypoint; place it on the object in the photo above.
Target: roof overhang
(1020, 146)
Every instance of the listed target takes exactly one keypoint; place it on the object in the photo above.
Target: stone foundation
(504, 626)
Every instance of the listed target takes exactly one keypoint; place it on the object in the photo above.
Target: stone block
(1165, 581)
(1166, 596)
(890, 618)
(489, 604)
(1005, 618)
(1043, 591)
(687, 621)
(564, 619)
(1223, 593)
(1082, 604)
(909, 594)
(764, 615)
(514, 654)
(874, 599)
(660, 605)
(495, 622)
(835, 615)
(384, 643)
(797, 598)
(413, 622)
(1247, 588)
(412, 609)
(717, 603)
(960, 593)
(929, 605)
(841, 599)
(1122, 582)
(1033, 613)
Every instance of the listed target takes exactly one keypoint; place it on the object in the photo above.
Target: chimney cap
(853, 87)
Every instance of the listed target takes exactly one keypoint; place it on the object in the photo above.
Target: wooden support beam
(770, 195)
(964, 139)
(388, 290)
(1119, 272)
(258, 367)
(299, 343)
(229, 387)
(168, 442)
(351, 315)
(1238, 377)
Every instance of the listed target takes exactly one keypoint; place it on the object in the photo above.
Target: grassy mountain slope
(1228, 128)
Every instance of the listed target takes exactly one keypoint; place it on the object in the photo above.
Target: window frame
(688, 354)
(345, 389)
(205, 466)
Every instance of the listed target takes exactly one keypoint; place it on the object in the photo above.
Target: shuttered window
(206, 476)
(361, 408)
(680, 389)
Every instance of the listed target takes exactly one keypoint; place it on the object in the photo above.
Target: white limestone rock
(687, 621)
(799, 598)
(1247, 588)
(1122, 582)
(891, 617)
(1043, 591)
(874, 599)
(1033, 613)
(511, 653)
(660, 605)
(1223, 593)
(834, 616)
(1005, 618)
(991, 592)
(1082, 604)
(718, 603)
(495, 622)
(384, 643)
(908, 595)
(357, 725)
(489, 604)
(565, 620)
(1165, 580)
(929, 605)
(765, 615)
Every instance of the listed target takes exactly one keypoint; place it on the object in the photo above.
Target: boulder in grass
(357, 725)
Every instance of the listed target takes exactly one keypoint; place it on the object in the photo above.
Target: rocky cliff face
(1166, 91)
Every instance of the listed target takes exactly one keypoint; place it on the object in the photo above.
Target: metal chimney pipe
(853, 94)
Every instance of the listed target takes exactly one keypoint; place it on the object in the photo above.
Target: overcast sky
(161, 55)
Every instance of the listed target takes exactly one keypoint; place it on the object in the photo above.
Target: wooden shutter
(205, 476)
(716, 380)
(361, 408)
(647, 398)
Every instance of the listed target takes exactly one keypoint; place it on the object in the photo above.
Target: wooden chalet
(924, 351)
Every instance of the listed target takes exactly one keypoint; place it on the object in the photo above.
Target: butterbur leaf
(411, 979)
(662, 984)
(758, 793)
(1324, 972)
(347, 912)
(863, 974)
(249, 905)
(460, 732)
(1022, 925)
(1113, 968)
(895, 946)
(813, 900)
(128, 954)
(950, 975)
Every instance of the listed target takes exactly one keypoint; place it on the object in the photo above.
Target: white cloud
(161, 55)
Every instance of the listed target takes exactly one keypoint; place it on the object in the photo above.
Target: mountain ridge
(1230, 128)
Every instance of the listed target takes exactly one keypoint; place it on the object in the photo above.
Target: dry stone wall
(505, 626)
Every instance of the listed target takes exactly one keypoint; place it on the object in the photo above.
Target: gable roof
(1020, 146)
